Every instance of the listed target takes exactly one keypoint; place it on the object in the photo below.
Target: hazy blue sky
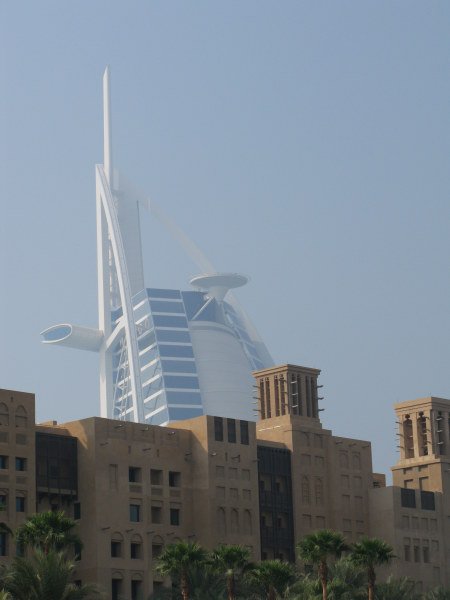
(305, 144)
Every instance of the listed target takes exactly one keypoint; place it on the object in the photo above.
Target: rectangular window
(218, 429)
(231, 427)
(165, 321)
(156, 514)
(178, 366)
(135, 513)
(135, 550)
(20, 504)
(77, 511)
(417, 554)
(426, 554)
(77, 551)
(134, 474)
(408, 498)
(156, 476)
(159, 306)
(116, 589)
(156, 550)
(3, 462)
(116, 549)
(3, 501)
(407, 550)
(176, 351)
(174, 479)
(427, 500)
(181, 381)
(113, 477)
(174, 516)
(136, 590)
(3, 544)
(165, 335)
(244, 433)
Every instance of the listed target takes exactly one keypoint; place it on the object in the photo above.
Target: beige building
(414, 515)
(134, 488)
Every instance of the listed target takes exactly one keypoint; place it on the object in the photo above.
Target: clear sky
(305, 144)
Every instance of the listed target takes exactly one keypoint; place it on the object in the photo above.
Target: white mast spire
(107, 141)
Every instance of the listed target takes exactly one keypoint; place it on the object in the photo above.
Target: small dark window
(156, 477)
(3, 501)
(134, 474)
(135, 550)
(156, 550)
(136, 588)
(427, 500)
(135, 513)
(407, 553)
(408, 498)
(244, 433)
(77, 551)
(3, 462)
(231, 426)
(77, 511)
(116, 589)
(174, 516)
(20, 504)
(174, 479)
(20, 551)
(3, 544)
(156, 514)
(21, 463)
(218, 429)
(116, 549)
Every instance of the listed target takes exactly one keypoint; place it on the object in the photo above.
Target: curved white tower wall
(223, 371)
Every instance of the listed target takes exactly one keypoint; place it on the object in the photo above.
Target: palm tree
(48, 531)
(397, 589)
(44, 576)
(368, 553)
(438, 593)
(315, 549)
(178, 559)
(273, 576)
(230, 561)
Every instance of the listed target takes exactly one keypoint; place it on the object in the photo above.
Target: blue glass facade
(171, 389)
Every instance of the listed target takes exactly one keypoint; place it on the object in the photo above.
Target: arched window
(234, 521)
(4, 414)
(343, 459)
(157, 546)
(21, 417)
(116, 545)
(248, 529)
(221, 521)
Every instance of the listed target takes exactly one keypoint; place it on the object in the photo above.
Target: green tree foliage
(178, 560)
(368, 554)
(272, 577)
(396, 589)
(231, 562)
(44, 576)
(316, 549)
(48, 531)
(438, 593)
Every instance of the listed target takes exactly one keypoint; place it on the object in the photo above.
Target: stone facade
(134, 488)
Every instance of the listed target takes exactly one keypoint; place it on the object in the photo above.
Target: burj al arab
(165, 354)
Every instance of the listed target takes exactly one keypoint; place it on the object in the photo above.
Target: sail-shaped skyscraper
(165, 354)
